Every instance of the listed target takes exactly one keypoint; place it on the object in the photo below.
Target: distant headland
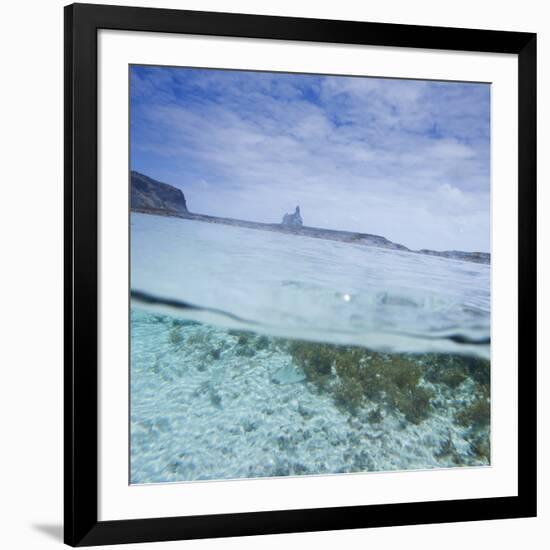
(150, 196)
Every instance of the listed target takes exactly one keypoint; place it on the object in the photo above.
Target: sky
(405, 159)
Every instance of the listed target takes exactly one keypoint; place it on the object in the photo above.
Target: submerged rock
(288, 374)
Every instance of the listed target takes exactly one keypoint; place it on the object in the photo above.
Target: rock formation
(149, 194)
(293, 220)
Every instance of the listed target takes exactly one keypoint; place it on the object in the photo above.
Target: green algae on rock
(357, 377)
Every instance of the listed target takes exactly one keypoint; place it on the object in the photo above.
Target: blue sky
(406, 159)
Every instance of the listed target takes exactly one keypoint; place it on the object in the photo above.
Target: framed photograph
(300, 274)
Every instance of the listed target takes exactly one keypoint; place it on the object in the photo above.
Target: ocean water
(261, 354)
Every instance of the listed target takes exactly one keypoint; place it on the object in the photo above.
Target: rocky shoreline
(151, 197)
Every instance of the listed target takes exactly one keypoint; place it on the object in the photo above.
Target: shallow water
(301, 356)
(313, 288)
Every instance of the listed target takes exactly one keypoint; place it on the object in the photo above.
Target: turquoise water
(301, 356)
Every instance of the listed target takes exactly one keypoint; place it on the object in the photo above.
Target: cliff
(149, 194)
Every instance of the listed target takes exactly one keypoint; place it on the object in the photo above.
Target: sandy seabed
(205, 405)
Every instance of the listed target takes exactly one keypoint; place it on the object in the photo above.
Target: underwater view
(262, 364)
(310, 274)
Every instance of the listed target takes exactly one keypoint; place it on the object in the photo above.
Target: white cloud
(405, 159)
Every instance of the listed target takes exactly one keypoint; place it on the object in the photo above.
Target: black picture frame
(81, 25)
